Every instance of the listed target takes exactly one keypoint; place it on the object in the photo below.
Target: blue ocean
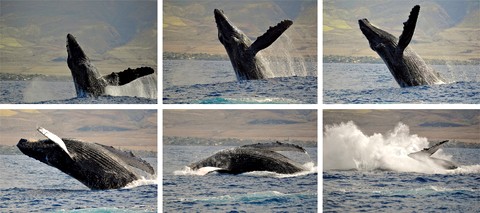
(392, 191)
(187, 191)
(27, 185)
(44, 91)
(345, 83)
(214, 82)
(374, 173)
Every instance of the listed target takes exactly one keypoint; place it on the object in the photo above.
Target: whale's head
(45, 151)
(375, 36)
(228, 34)
(73, 48)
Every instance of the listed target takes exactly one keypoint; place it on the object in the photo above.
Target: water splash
(142, 182)
(346, 147)
(41, 90)
(145, 87)
(309, 167)
(281, 63)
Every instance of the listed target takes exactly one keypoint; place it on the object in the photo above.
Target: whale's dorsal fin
(55, 139)
(276, 146)
(130, 159)
(428, 151)
(126, 76)
(408, 30)
(270, 36)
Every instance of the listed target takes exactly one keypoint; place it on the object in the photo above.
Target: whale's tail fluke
(427, 152)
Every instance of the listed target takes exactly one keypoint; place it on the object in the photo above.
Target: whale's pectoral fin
(408, 30)
(57, 140)
(276, 146)
(130, 159)
(126, 76)
(428, 151)
(270, 36)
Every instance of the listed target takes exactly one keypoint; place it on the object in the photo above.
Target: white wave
(471, 169)
(202, 171)
(142, 182)
(347, 147)
(309, 169)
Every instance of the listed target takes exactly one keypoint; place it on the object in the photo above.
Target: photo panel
(65, 160)
(78, 52)
(415, 52)
(240, 52)
(240, 160)
(401, 160)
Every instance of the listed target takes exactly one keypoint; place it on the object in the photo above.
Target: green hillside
(33, 35)
(189, 26)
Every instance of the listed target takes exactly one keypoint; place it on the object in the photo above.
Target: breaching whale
(425, 155)
(253, 157)
(240, 49)
(87, 80)
(95, 165)
(408, 68)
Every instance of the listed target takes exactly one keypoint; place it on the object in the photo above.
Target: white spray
(346, 147)
(281, 62)
(145, 87)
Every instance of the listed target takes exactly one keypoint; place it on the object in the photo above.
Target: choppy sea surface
(374, 174)
(41, 91)
(27, 185)
(373, 83)
(187, 191)
(214, 82)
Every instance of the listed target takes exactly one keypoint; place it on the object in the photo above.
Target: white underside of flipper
(55, 139)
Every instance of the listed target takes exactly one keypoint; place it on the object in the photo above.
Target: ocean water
(186, 191)
(214, 82)
(40, 91)
(27, 185)
(373, 83)
(374, 173)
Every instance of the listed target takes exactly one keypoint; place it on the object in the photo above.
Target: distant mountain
(241, 124)
(445, 29)
(110, 127)
(189, 26)
(34, 32)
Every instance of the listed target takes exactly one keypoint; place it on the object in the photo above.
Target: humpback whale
(253, 157)
(248, 65)
(87, 80)
(425, 155)
(408, 68)
(95, 165)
